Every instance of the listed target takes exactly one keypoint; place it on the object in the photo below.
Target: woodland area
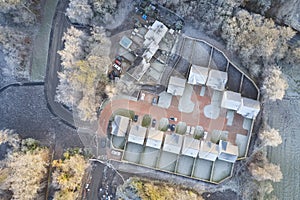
(25, 165)
(136, 188)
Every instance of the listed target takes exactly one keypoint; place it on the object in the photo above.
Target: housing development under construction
(200, 125)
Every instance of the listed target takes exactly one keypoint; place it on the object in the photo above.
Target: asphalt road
(59, 26)
(103, 183)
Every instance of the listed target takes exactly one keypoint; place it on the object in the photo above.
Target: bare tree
(270, 136)
(79, 11)
(262, 170)
(268, 171)
(24, 177)
(265, 189)
(8, 136)
(274, 84)
(23, 168)
(21, 12)
(16, 47)
(83, 80)
(104, 10)
(74, 40)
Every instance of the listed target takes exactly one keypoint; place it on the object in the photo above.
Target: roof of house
(227, 151)
(249, 108)
(198, 75)
(217, 79)
(190, 146)
(150, 51)
(231, 100)
(155, 33)
(176, 86)
(173, 143)
(120, 125)
(137, 134)
(125, 42)
(155, 138)
(208, 151)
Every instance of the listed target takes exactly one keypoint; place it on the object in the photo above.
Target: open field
(41, 42)
(284, 115)
(24, 109)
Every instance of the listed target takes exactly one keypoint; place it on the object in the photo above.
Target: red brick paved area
(195, 118)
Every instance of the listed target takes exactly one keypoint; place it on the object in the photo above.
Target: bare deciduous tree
(7, 136)
(270, 136)
(16, 48)
(104, 10)
(262, 170)
(21, 12)
(85, 62)
(268, 171)
(24, 168)
(274, 85)
(79, 11)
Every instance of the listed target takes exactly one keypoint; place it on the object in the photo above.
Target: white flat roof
(231, 100)
(217, 79)
(156, 32)
(249, 108)
(198, 75)
(150, 51)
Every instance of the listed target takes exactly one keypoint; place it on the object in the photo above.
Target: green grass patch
(181, 128)
(163, 124)
(146, 121)
(199, 132)
(124, 113)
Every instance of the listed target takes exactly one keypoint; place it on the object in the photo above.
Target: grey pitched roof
(120, 125)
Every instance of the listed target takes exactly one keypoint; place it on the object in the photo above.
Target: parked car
(117, 67)
(153, 122)
(115, 153)
(173, 119)
(135, 118)
(142, 96)
(119, 58)
(154, 100)
(118, 62)
(172, 127)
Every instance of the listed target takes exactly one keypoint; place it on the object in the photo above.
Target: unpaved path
(41, 42)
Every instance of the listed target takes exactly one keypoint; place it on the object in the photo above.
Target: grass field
(284, 115)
